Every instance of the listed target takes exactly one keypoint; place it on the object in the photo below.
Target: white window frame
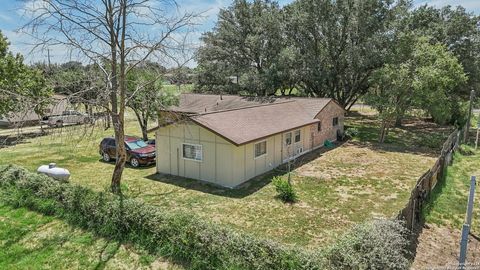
(195, 145)
(295, 136)
(255, 152)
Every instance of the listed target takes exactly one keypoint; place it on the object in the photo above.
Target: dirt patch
(438, 248)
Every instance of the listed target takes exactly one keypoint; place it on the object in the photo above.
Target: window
(288, 138)
(335, 121)
(260, 149)
(319, 126)
(133, 145)
(297, 136)
(192, 151)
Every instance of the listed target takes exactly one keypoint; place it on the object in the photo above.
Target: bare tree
(116, 36)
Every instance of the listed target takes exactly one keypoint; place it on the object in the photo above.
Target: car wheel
(59, 123)
(134, 162)
(106, 157)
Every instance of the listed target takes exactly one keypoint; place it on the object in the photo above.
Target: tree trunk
(121, 156)
(107, 121)
(118, 106)
(144, 133)
(398, 120)
(143, 123)
(383, 132)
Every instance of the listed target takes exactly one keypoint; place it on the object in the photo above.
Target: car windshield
(136, 144)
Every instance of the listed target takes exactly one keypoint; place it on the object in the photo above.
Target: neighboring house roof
(244, 125)
(241, 119)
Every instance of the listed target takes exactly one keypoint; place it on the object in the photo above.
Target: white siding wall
(224, 163)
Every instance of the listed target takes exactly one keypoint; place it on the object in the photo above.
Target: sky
(11, 19)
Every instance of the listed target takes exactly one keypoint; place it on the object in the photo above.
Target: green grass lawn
(184, 88)
(356, 181)
(448, 203)
(32, 241)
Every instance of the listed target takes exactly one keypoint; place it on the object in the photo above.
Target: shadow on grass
(245, 189)
(426, 210)
(415, 136)
(127, 165)
(106, 255)
(12, 140)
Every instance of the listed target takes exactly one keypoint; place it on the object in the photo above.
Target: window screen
(192, 151)
(260, 148)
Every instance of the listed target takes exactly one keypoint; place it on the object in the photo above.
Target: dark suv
(138, 152)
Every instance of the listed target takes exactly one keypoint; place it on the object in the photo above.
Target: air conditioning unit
(299, 150)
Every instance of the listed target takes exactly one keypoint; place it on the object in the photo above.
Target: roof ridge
(205, 94)
(246, 107)
(297, 97)
(251, 96)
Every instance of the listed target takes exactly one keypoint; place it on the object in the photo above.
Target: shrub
(200, 244)
(351, 132)
(379, 244)
(284, 189)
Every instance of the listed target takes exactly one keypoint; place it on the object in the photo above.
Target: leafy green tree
(144, 86)
(424, 81)
(244, 44)
(342, 43)
(459, 31)
(21, 88)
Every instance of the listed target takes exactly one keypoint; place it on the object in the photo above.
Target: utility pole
(478, 131)
(466, 226)
(467, 125)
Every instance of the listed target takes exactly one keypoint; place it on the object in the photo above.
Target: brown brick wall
(328, 132)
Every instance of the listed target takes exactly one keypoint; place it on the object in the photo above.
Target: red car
(138, 152)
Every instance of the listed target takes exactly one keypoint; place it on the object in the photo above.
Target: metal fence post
(467, 224)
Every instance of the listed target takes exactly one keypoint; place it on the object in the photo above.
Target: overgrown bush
(351, 132)
(187, 238)
(284, 189)
(378, 244)
(183, 237)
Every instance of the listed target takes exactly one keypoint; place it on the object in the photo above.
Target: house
(227, 140)
(30, 117)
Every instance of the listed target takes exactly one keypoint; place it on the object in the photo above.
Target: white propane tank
(53, 171)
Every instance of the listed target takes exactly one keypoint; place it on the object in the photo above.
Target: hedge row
(380, 244)
(183, 237)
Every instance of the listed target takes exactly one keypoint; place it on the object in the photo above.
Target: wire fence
(411, 213)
